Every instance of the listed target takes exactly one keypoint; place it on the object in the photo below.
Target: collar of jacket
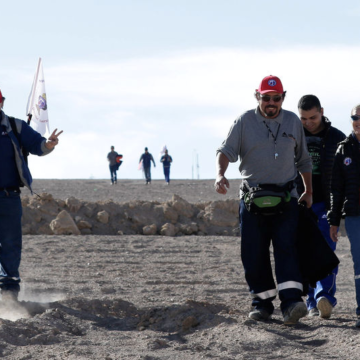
(350, 139)
(326, 122)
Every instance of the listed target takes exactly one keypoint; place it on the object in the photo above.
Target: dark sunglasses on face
(267, 98)
(355, 117)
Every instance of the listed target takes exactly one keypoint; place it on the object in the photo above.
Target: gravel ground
(154, 297)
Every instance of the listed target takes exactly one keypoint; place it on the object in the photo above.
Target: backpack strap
(14, 128)
(17, 135)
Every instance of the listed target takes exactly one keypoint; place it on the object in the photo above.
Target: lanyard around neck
(274, 137)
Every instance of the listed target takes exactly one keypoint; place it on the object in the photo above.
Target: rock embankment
(44, 215)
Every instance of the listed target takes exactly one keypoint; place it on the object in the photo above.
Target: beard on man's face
(271, 110)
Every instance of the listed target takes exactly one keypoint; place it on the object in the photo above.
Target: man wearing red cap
(14, 173)
(271, 146)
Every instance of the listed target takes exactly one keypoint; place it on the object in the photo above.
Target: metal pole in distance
(197, 166)
(193, 163)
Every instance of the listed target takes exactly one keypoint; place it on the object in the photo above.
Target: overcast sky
(149, 73)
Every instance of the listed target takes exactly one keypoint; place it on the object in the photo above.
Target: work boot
(259, 315)
(294, 312)
(313, 312)
(358, 322)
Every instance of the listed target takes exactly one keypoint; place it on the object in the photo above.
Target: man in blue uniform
(146, 159)
(113, 166)
(14, 173)
(166, 160)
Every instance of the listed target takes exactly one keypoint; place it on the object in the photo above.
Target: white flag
(37, 103)
(162, 152)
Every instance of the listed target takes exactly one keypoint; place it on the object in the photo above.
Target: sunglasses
(355, 117)
(267, 98)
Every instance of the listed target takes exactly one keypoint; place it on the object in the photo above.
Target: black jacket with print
(345, 181)
(329, 144)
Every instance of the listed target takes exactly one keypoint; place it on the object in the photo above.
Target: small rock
(150, 229)
(83, 224)
(168, 230)
(73, 204)
(103, 217)
(64, 224)
(189, 322)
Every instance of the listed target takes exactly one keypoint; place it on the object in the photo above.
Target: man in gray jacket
(271, 146)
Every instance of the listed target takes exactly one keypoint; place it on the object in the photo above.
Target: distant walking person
(166, 160)
(146, 159)
(113, 165)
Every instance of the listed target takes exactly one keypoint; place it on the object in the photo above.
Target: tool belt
(267, 199)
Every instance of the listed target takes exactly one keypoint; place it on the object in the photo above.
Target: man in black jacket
(322, 140)
(146, 159)
(345, 196)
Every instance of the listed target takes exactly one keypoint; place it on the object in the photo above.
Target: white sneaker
(325, 308)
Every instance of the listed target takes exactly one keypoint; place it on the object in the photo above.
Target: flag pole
(33, 92)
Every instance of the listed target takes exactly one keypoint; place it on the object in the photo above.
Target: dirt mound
(44, 215)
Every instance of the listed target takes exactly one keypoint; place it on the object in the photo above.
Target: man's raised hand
(53, 140)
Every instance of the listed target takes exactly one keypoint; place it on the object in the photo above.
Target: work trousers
(325, 287)
(257, 232)
(10, 239)
(352, 226)
(113, 169)
(167, 173)
(147, 173)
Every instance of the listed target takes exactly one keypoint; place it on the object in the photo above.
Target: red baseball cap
(270, 83)
(1, 98)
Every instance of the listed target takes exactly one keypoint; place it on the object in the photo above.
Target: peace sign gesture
(53, 140)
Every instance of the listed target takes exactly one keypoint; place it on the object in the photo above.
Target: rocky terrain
(126, 295)
(44, 215)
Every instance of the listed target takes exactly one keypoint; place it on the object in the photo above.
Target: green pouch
(266, 202)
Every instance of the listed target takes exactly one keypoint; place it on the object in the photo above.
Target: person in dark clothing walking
(14, 173)
(345, 196)
(146, 159)
(113, 165)
(166, 160)
(322, 141)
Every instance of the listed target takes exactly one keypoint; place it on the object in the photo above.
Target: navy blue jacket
(166, 160)
(30, 139)
(146, 159)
